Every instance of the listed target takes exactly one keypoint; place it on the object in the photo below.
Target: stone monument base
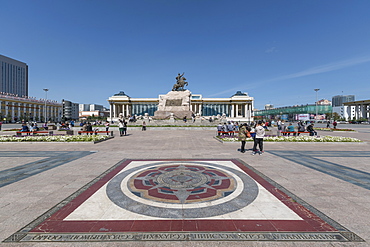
(175, 114)
(175, 104)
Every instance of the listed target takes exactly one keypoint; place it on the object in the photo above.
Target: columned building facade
(237, 107)
(361, 109)
(15, 109)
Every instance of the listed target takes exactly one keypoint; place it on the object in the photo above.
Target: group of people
(29, 128)
(334, 124)
(245, 132)
(228, 127)
(287, 130)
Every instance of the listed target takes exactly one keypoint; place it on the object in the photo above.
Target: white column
(34, 111)
(39, 112)
(363, 111)
(18, 111)
(237, 110)
(114, 110)
(6, 109)
(110, 111)
(232, 111)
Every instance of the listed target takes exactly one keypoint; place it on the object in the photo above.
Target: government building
(239, 107)
(16, 109)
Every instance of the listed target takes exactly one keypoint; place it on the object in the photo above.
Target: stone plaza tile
(182, 200)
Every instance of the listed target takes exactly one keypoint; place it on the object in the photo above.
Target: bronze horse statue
(180, 83)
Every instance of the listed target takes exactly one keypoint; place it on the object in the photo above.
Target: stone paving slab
(344, 202)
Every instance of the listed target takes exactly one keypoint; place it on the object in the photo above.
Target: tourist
(225, 128)
(290, 129)
(120, 126)
(301, 127)
(143, 128)
(184, 119)
(32, 127)
(283, 127)
(89, 128)
(107, 125)
(279, 124)
(311, 130)
(328, 124)
(1, 123)
(258, 139)
(84, 127)
(236, 126)
(230, 128)
(244, 133)
(219, 128)
(125, 127)
(335, 124)
(25, 128)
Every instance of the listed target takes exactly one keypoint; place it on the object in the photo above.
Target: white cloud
(311, 71)
(271, 50)
(325, 68)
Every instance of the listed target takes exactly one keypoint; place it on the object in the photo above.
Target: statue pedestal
(175, 102)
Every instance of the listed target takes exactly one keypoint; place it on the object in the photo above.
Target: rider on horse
(179, 86)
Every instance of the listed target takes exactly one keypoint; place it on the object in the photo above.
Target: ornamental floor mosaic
(183, 199)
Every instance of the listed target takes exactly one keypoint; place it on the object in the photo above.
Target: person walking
(335, 124)
(244, 133)
(258, 139)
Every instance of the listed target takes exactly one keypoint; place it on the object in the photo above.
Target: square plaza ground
(331, 177)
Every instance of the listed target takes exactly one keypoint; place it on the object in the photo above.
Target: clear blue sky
(276, 51)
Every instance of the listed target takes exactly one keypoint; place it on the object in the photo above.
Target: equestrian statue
(180, 83)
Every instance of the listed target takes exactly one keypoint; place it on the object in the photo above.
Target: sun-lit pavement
(332, 177)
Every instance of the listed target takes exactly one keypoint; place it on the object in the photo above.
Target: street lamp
(316, 89)
(46, 96)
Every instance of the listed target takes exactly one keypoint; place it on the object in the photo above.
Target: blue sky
(276, 51)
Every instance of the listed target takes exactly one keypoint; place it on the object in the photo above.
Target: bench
(20, 133)
(294, 133)
(95, 132)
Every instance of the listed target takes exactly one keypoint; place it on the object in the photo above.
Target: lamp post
(46, 112)
(316, 89)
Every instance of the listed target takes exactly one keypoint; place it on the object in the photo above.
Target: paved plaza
(181, 187)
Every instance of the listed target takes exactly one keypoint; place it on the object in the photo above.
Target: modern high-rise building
(13, 77)
(338, 100)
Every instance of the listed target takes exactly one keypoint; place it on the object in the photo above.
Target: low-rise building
(15, 109)
(360, 109)
(70, 110)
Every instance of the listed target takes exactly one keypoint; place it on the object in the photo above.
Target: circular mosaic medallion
(182, 184)
(182, 189)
